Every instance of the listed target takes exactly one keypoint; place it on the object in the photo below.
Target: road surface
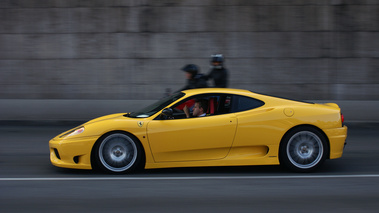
(29, 183)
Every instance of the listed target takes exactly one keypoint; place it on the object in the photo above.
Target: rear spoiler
(334, 105)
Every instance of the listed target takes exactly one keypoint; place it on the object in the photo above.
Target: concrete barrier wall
(133, 50)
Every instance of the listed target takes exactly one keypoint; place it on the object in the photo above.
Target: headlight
(73, 132)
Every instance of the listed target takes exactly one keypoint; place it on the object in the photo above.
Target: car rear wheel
(303, 149)
(118, 153)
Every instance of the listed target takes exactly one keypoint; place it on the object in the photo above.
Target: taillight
(342, 118)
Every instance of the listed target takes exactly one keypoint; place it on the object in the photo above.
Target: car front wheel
(303, 149)
(118, 153)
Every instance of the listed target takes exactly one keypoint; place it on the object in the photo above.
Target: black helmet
(217, 58)
(191, 68)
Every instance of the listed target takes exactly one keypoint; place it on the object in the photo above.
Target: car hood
(106, 117)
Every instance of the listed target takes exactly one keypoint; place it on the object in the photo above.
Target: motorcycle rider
(218, 73)
(194, 78)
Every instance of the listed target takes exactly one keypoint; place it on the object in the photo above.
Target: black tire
(118, 153)
(303, 149)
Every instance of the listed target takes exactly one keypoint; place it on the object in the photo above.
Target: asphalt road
(29, 183)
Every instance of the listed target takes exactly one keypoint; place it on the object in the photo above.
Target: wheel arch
(93, 161)
(309, 126)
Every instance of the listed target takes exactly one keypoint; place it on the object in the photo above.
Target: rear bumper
(337, 141)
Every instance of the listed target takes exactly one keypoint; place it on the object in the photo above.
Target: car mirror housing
(168, 112)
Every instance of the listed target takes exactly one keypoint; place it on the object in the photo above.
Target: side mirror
(168, 112)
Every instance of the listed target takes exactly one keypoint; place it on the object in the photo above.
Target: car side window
(213, 101)
(242, 103)
(218, 104)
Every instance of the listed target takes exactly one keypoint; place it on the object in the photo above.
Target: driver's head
(200, 107)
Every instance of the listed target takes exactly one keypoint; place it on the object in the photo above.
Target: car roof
(217, 90)
(244, 92)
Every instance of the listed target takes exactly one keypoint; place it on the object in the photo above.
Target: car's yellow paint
(70, 148)
(94, 129)
(192, 139)
(245, 138)
(337, 138)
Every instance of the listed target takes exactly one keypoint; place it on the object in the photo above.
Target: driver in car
(199, 109)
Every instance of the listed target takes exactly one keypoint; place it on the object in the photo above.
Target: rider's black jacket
(199, 81)
(219, 76)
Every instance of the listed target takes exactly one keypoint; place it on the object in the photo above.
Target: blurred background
(79, 59)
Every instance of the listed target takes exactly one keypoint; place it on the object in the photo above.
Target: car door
(192, 139)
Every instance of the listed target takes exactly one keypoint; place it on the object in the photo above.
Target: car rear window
(243, 103)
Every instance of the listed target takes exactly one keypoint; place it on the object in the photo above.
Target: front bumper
(72, 153)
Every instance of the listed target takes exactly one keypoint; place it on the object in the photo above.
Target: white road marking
(191, 178)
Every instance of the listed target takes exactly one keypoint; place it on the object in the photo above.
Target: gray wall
(133, 50)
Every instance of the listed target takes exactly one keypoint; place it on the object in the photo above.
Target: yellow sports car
(206, 127)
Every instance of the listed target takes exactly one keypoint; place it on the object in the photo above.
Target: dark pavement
(29, 183)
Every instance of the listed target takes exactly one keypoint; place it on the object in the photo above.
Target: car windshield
(155, 107)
